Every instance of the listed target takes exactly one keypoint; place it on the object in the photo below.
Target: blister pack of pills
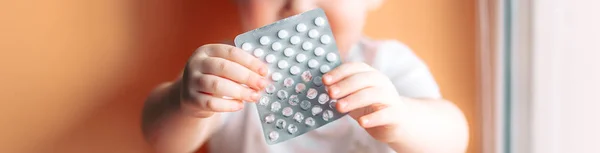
(299, 50)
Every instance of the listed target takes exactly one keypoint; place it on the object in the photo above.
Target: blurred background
(74, 74)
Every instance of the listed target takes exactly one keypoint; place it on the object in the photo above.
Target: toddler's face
(346, 17)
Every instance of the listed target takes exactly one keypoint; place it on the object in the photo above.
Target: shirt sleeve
(409, 74)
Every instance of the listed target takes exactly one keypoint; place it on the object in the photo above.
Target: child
(393, 102)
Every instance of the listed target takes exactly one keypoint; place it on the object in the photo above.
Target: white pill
(319, 51)
(258, 52)
(324, 68)
(264, 40)
(328, 114)
(288, 52)
(331, 57)
(294, 100)
(300, 87)
(273, 136)
(313, 33)
(282, 94)
(270, 89)
(319, 21)
(309, 121)
(287, 112)
(246, 46)
(307, 45)
(288, 82)
(312, 93)
(269, 118)
(312, 63)
(301, 27)
(294, 70)
(295, 40)
(298, 117)
(325, 39)
(270, 58)
(323, 98)
(280, 123)
(276, 76)
(306, 76)
(282, 64)
(316, 110)
(292, 129)
(276, 46)
(305, 104)
(300, 58)
(282, 34)
(275, 106)
(264, 101)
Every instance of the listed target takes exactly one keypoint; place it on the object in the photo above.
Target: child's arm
(165, 126)
(180, 116)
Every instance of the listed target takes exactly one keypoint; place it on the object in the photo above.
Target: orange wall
(74, 74)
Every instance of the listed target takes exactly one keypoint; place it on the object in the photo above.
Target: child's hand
(369, 97)
(213, 77)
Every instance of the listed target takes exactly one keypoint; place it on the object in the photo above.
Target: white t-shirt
(242, 132)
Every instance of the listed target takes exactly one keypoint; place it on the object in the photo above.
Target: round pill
(282, 64)
(276, 46)
(323, 98)
(287, 112)
(298, 117)
(328, 114)
(306, 76)
(324, 68)
(294, 100)
(264, 101)
(275, 106)
(288, 82)
(292, 129)
(301, 27)
(305, 104)
(270, 89)
(300, 58)
(273, 136)
(282, 94)
(309, 121)
(319, 51)
(332, 103)
(331, 57)
(295, 40)
(294, 70)
(307, 45)
(313, 33)
(318, 81)
(276, 76)
(246, 46)
(312, 63)
(280, 123)
(282, 34)
(300, 87)
(312, 93)
(288, 52)
(269, 118)
(325, 39)
(258, 52)
(270, 58)
(264, 40)
(319, 21)
(316, 110)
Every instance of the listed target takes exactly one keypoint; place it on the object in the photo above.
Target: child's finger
(202, 102)
(359, 99)
(239, 56)
(221, 87)
(352, 84)
(378, 118)
(232, 71)
(343, 71)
